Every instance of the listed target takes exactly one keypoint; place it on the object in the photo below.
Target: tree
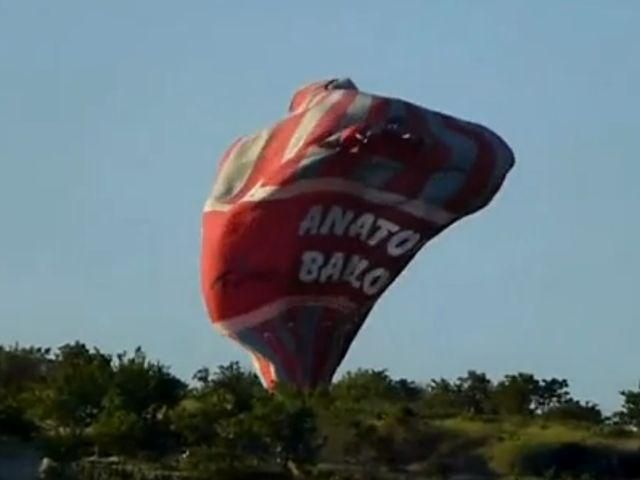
(78, 398)
(21, 370)
(214, 420)
(515, 394)
(442, 398)
(71, 399)
(407, 390)
(551, 393)
(475, 390)
(242, 385)
(118, 431)
(278, 428)
(365, 385)
(143, 387)
(575, 411)
(629, 414)
(198, 418)
(287, 423)
(135, 408)
(21, 367)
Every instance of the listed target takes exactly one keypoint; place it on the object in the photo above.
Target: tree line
(79, 402)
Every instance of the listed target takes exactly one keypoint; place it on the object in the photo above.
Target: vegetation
(90, 410)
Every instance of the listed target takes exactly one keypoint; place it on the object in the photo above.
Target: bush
(574, 411)
(118, 432)
(65, 447)
(569, 459)
(209, 462)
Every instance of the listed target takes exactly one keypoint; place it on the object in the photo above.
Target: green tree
(551, 393)
(575, 411)
(475, 390)
(363, 393)
(198, 418)
(135, 409)
(515, 394)
(224, 436)
(71, 399)
(242, 385)
(407, 390)
(144, 387)
(288, 424)
(22, 367)
(629, 414)
(362, 444)
(366, 385)
(214, 420)
(118, 431)
(442, 398)
(21, 370)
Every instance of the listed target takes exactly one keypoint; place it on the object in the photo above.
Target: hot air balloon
(311, 219)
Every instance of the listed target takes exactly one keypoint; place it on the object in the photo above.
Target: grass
(512, 445)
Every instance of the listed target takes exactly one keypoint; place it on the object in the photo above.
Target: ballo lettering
(352, 269)
(318, 267)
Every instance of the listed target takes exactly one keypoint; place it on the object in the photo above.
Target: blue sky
(113, 115)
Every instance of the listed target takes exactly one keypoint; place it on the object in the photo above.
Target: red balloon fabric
(311, 219)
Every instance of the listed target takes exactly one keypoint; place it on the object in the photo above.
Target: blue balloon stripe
(255, 341)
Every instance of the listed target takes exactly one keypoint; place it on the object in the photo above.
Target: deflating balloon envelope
(311, 219)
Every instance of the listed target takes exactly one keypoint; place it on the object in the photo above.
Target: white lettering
(402, 242)
(311, 222)
(354, 269)
(336, 221)
(385, 228)
(362, 226)
(311, 263)
(374, 281)
(333, 268)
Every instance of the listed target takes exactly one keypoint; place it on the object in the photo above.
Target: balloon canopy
(311, 219)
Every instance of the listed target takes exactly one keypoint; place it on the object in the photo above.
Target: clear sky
(113, 115)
